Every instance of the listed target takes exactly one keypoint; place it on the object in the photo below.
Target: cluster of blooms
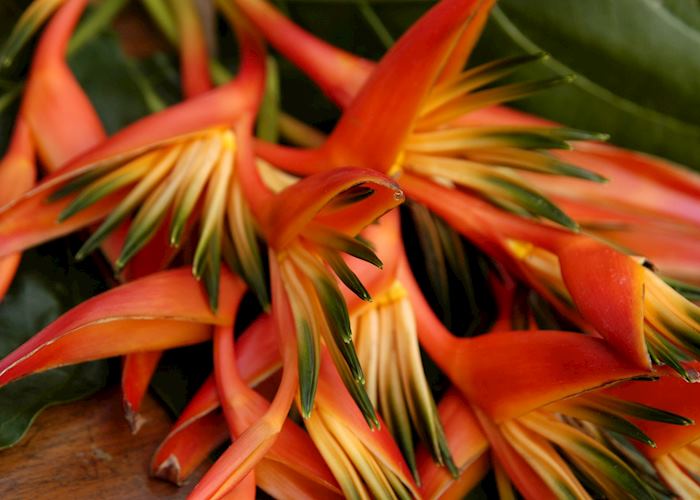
(314, 233)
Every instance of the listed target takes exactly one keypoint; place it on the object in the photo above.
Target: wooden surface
(85, 450)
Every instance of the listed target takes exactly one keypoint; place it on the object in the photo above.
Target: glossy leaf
(624, 53)
(48, 283)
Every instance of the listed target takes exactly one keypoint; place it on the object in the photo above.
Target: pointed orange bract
(464, 46)
(589, 270)
(194, 53)
(53, 93)
(559, 364)
(137, 370)
(398, 100)
(158, 312)
(340, 76)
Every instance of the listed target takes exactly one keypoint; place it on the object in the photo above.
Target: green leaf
(48, 284)
(635, 64)
(105, 74)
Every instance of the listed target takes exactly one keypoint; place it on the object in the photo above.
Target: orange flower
(414, 99)
(183, 164)
(670, 193)
(641, 316)
(545, 415)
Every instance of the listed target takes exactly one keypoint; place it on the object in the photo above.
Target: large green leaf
(48, 283)
(635, 62)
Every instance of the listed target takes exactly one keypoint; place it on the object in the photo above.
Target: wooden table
(86, 450)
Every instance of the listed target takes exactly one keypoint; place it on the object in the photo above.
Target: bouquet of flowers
(424, 291)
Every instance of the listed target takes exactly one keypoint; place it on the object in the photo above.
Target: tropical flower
(169, 172)
(431, 102)
(168, 159)
(416, 107)
(157, 169)
(553, 423)
(311, 223)
(124, 307)
(546, 434)
(670, 192)
(577, 270)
